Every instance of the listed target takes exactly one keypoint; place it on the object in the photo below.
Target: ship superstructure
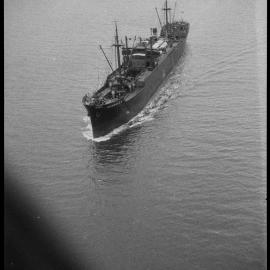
(144, 66)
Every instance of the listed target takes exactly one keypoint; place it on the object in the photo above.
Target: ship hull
(105, 119)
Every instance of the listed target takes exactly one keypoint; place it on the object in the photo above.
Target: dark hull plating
(106, 119)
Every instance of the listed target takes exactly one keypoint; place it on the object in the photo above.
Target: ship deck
(144, 75)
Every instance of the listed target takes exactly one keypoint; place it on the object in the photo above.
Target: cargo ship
(143, 68)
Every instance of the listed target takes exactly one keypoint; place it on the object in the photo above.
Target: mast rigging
(159, 18)
(106, 57)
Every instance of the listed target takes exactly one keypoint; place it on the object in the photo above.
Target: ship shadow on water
(107, 158)
(115, 149)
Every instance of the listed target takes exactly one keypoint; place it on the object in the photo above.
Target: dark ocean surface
(183, 186)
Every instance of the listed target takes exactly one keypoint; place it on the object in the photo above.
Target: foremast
(117, 46)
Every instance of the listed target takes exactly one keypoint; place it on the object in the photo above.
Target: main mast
(166, 12)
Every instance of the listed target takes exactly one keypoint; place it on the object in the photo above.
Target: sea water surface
(183, 186)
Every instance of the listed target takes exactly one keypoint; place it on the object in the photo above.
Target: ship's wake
(171, 90)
